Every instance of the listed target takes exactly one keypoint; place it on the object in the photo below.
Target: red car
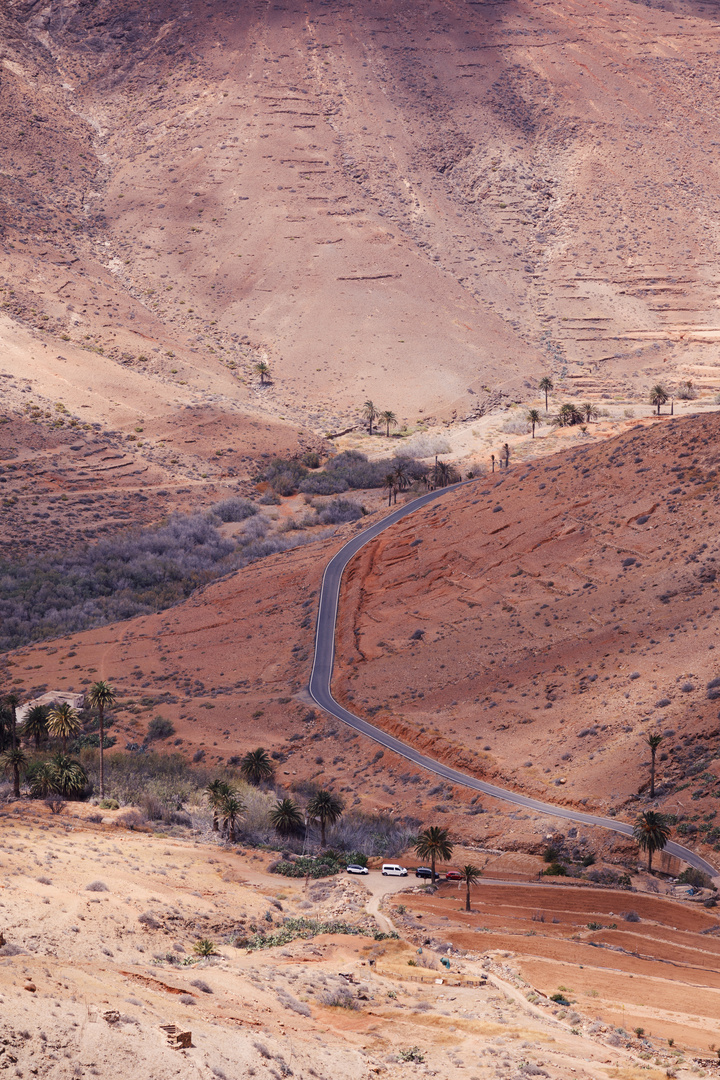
(453, 875)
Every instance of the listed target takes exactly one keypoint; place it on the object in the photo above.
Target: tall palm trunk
(467, 895)
(652, 772)
(432, 864)
(16, 781)
(101, 713)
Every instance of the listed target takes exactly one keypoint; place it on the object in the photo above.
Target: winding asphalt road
(320, 691)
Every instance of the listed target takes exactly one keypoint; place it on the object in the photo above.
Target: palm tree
(546, 385)
(12, 761)
(400, 472)
(652, 832)
(231, 808)
(471, 876)
(256, 766)
(389, 483)
(102, 695)
(325, 808)
(12, 701)
(35, 726)
(506, 452)
(263, 371)
(68, 776)
(63, 722)
(216, 792)
(41, 777)
(589, 411)
(653, 742)
(533, 417)
(389, 419)
(434, 843)
(370, 414)
(568, 416)
(286, 818)
(658, 396)
(443, 474)
(492, 458)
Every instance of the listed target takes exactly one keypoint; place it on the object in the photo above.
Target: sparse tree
(389, 419)
(35, 725)
(285, 818)
(492, 458)
(263, 370)
(506, 452)
(389, 485)
(231, 808)
(400, 473)
(546, 385)
(652, 832)
(13, 761)
(102, 696)
(653, 740)
(63, 723)
(370, 414)
(658, 396)
(216, 792)
(256, 766)
(533, 417)
(325, 808)
(471, 876)
(434, 843)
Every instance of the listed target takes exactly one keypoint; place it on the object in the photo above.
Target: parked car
(393, 870)
(423, 871)
(453, 875)
(355, 868)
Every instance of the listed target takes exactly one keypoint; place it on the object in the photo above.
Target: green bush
(160, 728)
(555, 869)
(696, 878)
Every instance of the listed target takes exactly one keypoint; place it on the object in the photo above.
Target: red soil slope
(538, 623)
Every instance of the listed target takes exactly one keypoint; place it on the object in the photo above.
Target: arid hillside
(425, 204)
(532, 627)
(99, 969)
(537, 624)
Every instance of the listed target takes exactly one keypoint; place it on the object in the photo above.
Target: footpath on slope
(320, 690)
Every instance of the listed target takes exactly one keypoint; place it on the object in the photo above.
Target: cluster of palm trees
(435, 844)
(60, 775)
(286, 817)
(370, 414)
(438, 475)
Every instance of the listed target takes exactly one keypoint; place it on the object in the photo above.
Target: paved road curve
(320, 690)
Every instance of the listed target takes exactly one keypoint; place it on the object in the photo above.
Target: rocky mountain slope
(421, 204)
(532, 628)
(539, 623)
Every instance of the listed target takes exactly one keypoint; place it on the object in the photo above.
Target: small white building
(52, 697)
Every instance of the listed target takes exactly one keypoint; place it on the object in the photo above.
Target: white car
(355, 868)
(393, 870)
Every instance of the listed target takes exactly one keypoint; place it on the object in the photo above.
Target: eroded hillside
(539, 623)
(415, 203)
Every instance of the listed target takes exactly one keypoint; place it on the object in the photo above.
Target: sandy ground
(100, 924)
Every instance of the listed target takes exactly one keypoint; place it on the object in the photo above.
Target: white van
(393, 870)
